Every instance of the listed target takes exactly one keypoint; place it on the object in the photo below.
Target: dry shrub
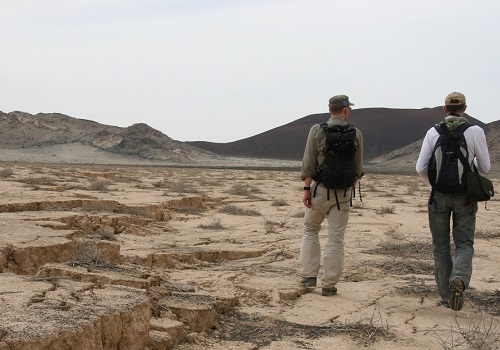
(263, 330)
(492, 233)
(214, 225)
(182, 187)
(279, 203)
(126, 179)
(399, 201)
(358, 205)
(6, 172)
(486, 301)
(298, 215)
(476, 333)
(419, 249)
(106, 233)
(417, 289)
(242, 189)
(386, 210)
(406, 267)
(270, 226)
(87, 253)
(101, 185)
(235, 210)
(160, 184)
(409, 257)
(44, 180)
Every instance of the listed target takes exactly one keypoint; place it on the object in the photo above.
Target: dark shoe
(308, 281)
(457, 287)
(328, 291)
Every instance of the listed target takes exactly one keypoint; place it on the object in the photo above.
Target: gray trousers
(454, 207)
(333, 254)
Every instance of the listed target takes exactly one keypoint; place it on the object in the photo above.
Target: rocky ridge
(19, 130)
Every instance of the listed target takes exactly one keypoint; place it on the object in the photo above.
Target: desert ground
(163, 257)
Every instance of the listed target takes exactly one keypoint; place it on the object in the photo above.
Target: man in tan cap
(319, 204)
(453, 276)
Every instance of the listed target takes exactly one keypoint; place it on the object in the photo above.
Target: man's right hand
(306, 199)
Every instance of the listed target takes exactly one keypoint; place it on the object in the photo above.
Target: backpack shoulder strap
(463, 127)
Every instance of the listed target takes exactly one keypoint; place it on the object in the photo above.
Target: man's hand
(306, 199)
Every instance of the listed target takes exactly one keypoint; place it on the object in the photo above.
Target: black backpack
(338, 170)
(445, 171)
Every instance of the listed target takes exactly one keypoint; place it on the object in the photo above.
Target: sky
(225, 70)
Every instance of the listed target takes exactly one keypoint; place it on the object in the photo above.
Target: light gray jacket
(476, 145)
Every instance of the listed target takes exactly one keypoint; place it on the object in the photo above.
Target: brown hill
(23, 130)
(392, 140)
(384, 130)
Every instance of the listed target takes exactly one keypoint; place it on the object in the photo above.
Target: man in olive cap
(319, 205)
(453, 276)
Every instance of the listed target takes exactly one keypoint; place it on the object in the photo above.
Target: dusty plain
(212, 255)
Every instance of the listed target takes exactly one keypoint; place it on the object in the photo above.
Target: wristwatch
(307, 188)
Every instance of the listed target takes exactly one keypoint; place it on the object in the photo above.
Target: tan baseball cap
(455, 99)
(339, 101)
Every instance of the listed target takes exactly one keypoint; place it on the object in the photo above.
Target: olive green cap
(339, 102)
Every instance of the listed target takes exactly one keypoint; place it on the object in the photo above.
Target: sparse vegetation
(6, 172)
(358, 205)
(105, 233)
(487, 234)
(486, 301)
(242, 327)
(418, 249)
(476, 333)
(101, 185)
(182, 187)
(235, 210)
(386, 210)
(87, 253)
(406, 267)
(279, 203)
(259, 268)
(39, 181)
(214, 225)
(242, 189)
(270, 226)
(399, 201)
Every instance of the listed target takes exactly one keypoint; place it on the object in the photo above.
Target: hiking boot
(328, 291)
(308, 281)
(457, 287)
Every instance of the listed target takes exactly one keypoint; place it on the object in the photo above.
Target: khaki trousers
(333, 255)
